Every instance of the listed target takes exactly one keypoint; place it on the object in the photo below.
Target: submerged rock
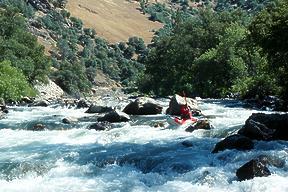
(38, 127)
(187, 143)
(262, 126)
(115, 116)
(238, 142)
(143, 106)
(69, 120)
(98, 109)
(100, 126)
(254, 168)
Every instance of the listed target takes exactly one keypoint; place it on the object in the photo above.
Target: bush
(13, 84)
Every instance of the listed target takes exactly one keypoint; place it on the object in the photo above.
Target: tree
(269, 30)
(13, 83)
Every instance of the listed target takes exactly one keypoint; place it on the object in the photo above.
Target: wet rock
(42, 103)
(203, 124)
(3, 109)
(38, 127)
(200, 124)
(254, 168)
(27, 100)
(98, 109)
(143, 106)
(82, 104)
(238, 142)
(187, 143)
(176, 102)
(101, 126)
(115, 116)
(69, 120)
(262, 126)
(272, 160)
(158, 124)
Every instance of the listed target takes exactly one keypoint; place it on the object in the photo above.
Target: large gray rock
(98, 109)
(143, 106)
(115, 116)
(254, 168)
(176, 102)
(238, 142)
(262, 126)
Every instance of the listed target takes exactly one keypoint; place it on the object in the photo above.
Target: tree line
(216, 53)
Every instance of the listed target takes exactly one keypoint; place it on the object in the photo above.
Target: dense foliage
(213, 54)
(22, 59)
(13, 83)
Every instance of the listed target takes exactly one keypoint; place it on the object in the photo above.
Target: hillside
(114, 20)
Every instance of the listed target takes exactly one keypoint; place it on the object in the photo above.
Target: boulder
(42, 103)
(100, 126)
(98, 109)
(238, 142)
(254, 168)
(82, 104)
(143, 106)
(263, 126)
(200, 124)
(69, 120)
(176, 102)
(115, 116)
(26, 100)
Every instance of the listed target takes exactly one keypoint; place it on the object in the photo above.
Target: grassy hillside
(114, 20)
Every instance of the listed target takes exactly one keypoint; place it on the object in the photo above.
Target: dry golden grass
(114, 20)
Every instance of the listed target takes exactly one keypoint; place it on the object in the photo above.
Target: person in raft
(186, 114)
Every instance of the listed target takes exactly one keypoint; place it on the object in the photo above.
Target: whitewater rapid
(132, 156)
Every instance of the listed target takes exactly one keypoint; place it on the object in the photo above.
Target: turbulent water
(132, 156)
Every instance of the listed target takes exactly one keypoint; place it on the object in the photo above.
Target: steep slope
(115, 20)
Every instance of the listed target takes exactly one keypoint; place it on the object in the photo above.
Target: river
(132, 156)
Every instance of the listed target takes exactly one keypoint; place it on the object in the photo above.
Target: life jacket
(185, 112)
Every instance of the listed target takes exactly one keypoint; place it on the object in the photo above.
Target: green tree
(13, 83)
(269, 30)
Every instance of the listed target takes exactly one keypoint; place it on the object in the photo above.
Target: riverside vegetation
(206, 48)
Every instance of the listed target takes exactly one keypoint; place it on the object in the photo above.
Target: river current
(134, 156)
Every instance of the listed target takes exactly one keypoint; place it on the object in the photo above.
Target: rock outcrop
(143, 106)
(49, 91)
